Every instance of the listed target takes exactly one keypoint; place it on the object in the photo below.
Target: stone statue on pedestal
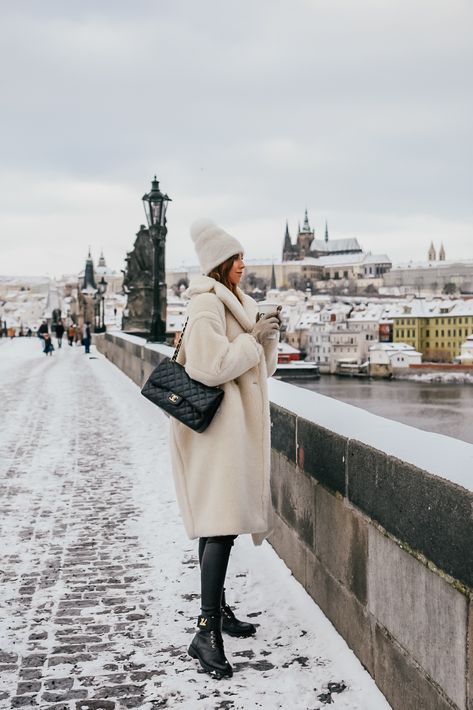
(138, 284)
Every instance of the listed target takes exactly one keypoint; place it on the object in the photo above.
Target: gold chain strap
(176, 351)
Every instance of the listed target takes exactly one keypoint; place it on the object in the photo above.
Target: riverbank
(464, 378)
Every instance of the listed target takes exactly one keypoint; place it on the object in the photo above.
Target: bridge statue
(138, 284)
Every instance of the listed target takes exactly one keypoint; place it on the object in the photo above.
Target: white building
(466, 354)
(392, 356)
(332, 343)
(429, 277)
(354, 266)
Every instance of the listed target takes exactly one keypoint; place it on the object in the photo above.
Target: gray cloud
(247, 111)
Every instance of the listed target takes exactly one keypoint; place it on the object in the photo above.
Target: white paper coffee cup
(267, 307)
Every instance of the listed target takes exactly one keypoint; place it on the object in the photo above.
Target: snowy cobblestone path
(99, 585)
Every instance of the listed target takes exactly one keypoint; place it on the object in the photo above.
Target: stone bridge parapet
(375, 519)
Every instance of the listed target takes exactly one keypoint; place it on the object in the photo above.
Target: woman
(222, 475)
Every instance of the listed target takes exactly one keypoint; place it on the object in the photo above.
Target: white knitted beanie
(213, 244)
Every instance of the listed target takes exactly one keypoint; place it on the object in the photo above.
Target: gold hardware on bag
(173, 398)
(203, 621)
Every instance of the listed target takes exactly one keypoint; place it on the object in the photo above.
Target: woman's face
(236, 272)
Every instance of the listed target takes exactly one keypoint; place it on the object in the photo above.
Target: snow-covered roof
(377, 259)
(335, 245)
(24, 280)
(370, 312)
(401, 266)
(391, 347)
(286, 348)
(355, 259)
(434, 308)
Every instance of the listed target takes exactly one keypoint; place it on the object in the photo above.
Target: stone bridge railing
(375, 520)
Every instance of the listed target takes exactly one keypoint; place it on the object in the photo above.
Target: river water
(442, 408)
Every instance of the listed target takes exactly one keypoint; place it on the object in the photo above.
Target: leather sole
(238, 635)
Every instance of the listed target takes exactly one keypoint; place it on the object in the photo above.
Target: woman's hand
(266, 328)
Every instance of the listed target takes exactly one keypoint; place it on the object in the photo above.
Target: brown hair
(220, 273)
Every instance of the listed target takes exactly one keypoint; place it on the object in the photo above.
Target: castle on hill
(308, 246)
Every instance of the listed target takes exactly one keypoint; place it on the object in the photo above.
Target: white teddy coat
(222, 475)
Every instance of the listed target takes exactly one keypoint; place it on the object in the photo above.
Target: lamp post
(155, 204)
(102, 287)
(96, 312)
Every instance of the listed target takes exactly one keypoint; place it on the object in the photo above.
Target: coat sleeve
(270, 347)
(211, 358)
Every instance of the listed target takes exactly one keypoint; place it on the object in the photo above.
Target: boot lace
(228, 612)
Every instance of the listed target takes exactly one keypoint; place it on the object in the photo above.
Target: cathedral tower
(305, 238)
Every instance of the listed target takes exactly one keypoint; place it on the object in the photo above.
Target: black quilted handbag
(170, 387)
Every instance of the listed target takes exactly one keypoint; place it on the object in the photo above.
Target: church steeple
(273, 277)
(326, 231)
(287, 238)
(102, 260)
(442, 253)
(287, 248)
(89, 277)
(306, 225)
(432, 256)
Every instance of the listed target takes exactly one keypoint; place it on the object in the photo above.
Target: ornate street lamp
(102, 287)
(96, 298)
(155, 204)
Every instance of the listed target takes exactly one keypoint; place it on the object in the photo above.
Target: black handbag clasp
(174, 398)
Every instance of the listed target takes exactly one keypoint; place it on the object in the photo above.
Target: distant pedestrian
(48, 344)
(43, 328)
(29, 333)
(59, 333)
(87, 339)
(71, 332)
(11, 332)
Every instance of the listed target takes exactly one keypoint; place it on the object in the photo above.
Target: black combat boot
(207, 647)
(233, 626)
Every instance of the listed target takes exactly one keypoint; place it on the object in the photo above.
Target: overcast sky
(248, 111)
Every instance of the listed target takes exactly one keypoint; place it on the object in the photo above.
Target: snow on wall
(442, 456)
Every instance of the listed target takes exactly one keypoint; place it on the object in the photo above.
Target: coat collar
(244, 313)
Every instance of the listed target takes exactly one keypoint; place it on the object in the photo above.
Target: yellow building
(436, 328)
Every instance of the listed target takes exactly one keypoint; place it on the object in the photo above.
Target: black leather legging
(214, 553)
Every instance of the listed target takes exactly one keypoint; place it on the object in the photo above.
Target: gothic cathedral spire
(306, 226)
(273, 277)
(287, 247)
